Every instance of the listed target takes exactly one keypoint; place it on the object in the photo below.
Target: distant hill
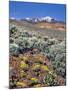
(40, 23)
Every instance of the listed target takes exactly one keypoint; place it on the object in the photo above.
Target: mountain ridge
(36, 20)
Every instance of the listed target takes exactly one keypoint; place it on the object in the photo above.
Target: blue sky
(27, 9)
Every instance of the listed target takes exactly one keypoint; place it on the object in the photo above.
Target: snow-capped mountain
(12, 18)
(35, 20)
(32, 19)
(28, 19)
(47, 19)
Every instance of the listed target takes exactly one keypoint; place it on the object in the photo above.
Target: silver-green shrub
(55, 50)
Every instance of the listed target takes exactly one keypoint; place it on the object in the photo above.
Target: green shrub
(49, 80)
(34, 81)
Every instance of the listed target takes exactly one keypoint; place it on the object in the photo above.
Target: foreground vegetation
(36, 61)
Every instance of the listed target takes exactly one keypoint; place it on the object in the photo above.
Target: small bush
(23, 66)
(49, 80)
(34, 81)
